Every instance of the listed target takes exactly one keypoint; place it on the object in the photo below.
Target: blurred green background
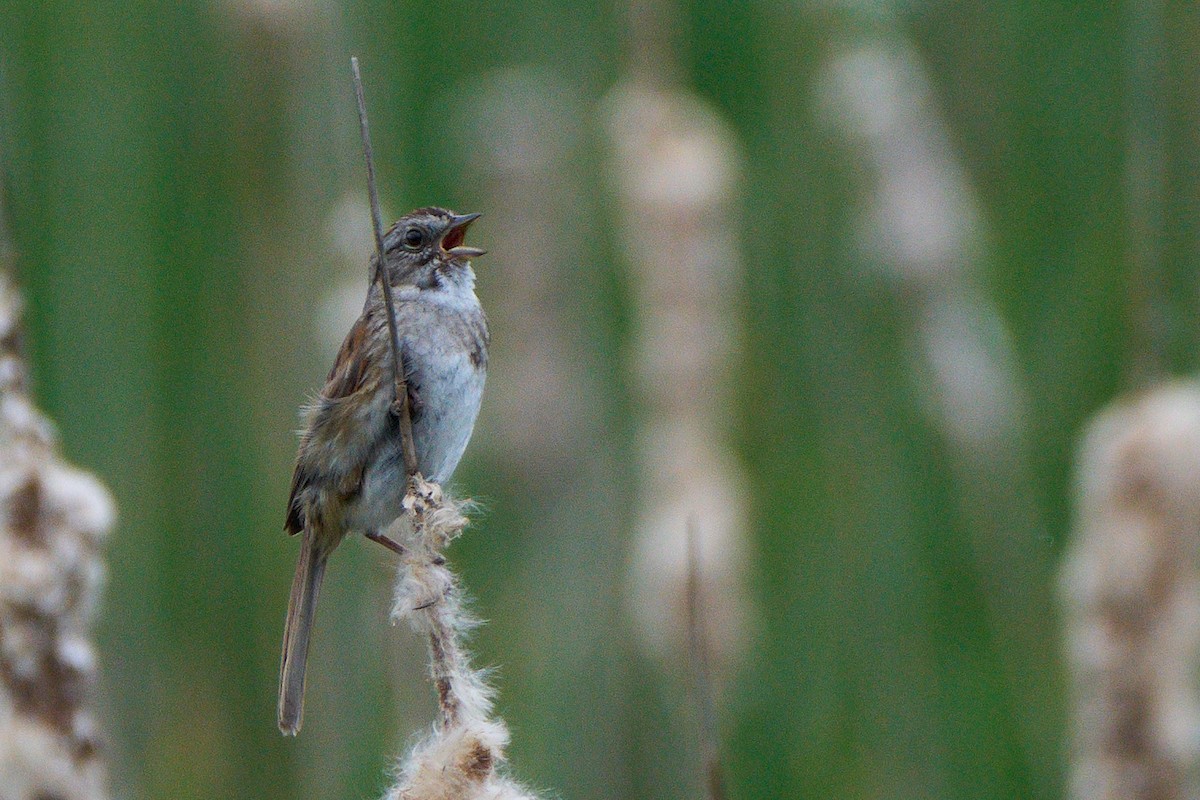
(183, 189)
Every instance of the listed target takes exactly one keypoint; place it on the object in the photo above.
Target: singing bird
(350, 470)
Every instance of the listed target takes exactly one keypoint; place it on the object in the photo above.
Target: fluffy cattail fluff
(53, 519)
(461, 757)
(1131, 591)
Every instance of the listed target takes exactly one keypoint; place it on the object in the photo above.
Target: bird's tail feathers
(302, 608)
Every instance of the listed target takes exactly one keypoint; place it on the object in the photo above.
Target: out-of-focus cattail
(348, 234)
(520, 138)
(53, 519)
(920, 230)
(461, 758)
(920, 226)
(1131, 592)
(675, 169)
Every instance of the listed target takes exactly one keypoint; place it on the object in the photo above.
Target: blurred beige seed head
(348, 228)
(1131, 590)
(53, 519)
(920, 224)
(518, 130)
(674, 170)
(673, 152)
(689, 480)
(923, 218)
(968, 355)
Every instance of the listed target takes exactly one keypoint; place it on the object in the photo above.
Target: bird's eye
(413, 238)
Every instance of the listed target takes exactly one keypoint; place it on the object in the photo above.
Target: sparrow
(350, 470)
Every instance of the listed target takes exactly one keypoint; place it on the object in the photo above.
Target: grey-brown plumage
(350, 472)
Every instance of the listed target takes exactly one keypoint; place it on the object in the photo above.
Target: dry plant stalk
(400, 404)
(459, 759)
(54, 521)
(1131, 591)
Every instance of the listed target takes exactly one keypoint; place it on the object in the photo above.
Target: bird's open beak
(452, 239)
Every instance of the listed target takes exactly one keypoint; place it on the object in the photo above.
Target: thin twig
(701, 673)
(400, 405)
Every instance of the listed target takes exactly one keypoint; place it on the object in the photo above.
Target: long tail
(302, 608)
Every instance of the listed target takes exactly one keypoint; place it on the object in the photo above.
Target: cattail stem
(400, 404)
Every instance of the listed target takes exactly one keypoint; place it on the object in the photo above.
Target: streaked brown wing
(350, 365)
(350, 374)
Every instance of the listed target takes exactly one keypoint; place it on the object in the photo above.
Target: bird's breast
(447, 365)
